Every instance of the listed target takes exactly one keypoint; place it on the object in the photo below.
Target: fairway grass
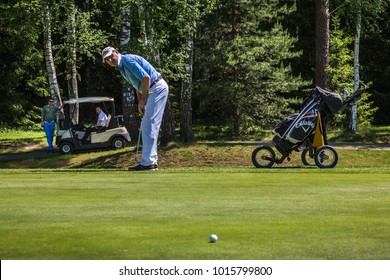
(290, 213)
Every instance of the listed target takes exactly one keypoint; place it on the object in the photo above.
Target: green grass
(87, 206)
(21, 135)
(279, 213)
(372, 134)
(21, 140)
(194, 156)
(222, 133)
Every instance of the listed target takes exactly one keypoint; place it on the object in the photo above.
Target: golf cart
(70, 135)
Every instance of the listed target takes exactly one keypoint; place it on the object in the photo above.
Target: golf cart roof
(91, 99)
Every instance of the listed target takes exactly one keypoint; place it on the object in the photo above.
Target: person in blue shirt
(152, 92)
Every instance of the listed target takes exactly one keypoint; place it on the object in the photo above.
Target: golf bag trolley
(304, 131)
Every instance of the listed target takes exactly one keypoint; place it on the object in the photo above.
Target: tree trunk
(235, 99)
(129, 108)
(51, 70)
(72, 61)
(186, 133)
(353, 126)
(168, 126)
(168, 123)
(141, 14)
(322, 42)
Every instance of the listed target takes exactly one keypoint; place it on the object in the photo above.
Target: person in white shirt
(100, 124)
(102, 117)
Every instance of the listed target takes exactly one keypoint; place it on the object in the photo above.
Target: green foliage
(89, 37)
(370, 10)
(341, 58)
(374, 47)
(341, 75)
(249, 55)
(160, 32)
(367, 134)
(243, 57)
(23, 81)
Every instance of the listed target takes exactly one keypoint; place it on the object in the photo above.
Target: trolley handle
(357, 94)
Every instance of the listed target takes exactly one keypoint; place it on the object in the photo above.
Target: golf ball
(213, 238)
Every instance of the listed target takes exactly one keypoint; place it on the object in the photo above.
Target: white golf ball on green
(213, 238)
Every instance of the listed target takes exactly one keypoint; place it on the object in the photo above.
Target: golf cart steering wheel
(78, 126)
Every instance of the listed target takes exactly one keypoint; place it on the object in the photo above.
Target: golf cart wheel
(307, 157)
(66, 148)
(118, 143)
(263, 157)
(326, 157)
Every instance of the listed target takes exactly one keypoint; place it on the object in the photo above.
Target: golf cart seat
(108, 121)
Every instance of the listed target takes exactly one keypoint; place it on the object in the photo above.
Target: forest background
(238, 65)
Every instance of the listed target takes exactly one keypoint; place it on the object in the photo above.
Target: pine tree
(245, 57)
(24, 86)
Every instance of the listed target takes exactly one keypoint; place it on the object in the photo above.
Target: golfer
(48, 117)
(152, 93)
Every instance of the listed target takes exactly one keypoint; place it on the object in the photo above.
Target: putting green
(302, 213)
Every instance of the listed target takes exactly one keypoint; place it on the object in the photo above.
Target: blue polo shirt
(134, 68)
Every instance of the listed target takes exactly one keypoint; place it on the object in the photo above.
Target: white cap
(107, 52)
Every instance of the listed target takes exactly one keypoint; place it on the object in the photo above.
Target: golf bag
(304, 131)
(297, 127)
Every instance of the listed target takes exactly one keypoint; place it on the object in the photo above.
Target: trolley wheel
(66, 148)
(326, 157)
(263, 157)
(307, 156)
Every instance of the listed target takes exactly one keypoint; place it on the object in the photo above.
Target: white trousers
(151, 121)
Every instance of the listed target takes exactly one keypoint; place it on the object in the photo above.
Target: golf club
(138, 142)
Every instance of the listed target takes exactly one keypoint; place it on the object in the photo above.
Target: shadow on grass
(40, 159)
(287, 167)
(41, 153)
(107, 161)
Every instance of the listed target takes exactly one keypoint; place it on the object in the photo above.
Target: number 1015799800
(241, 270)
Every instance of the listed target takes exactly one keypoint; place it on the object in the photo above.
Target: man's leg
(49, 131)
(151, 122)
(52, 129)
(87, 133)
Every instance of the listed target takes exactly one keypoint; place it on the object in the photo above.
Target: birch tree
(72, 60)
(128, 97)
(364, 12)
(356, 61)
(50, 66)
(359, 15)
